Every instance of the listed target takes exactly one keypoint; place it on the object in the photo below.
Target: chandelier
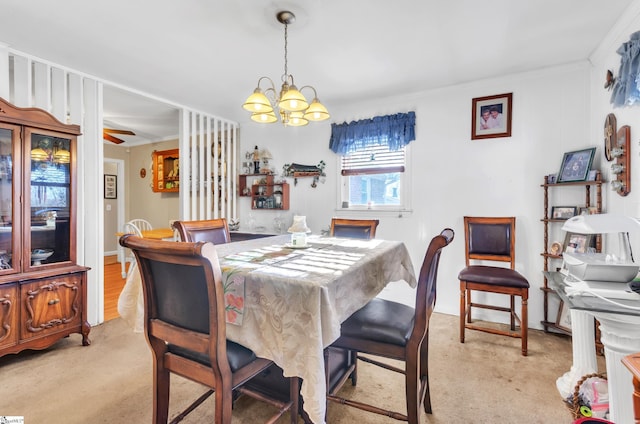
(293, 108)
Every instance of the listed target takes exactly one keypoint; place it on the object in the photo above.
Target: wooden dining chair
(393, 330)
(492, 240)
(184, 323)
(354, 228)
(215, 231)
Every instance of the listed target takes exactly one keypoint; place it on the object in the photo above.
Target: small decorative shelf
(166, 176)
(264, 192)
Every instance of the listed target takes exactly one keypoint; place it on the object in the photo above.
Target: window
(373, 177)
(373, 161)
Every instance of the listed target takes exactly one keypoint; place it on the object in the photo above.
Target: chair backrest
(136, 226)
(183, 298)
(490, 239)
(354, 228)
(426, 290)
(215, 231)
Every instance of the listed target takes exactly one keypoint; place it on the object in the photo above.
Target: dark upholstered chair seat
(492, 240)
(185, 327)
(385, 329)
(238, 355)
(493, 275)
(381, 321)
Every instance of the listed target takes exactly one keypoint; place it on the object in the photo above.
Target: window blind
(373, 160)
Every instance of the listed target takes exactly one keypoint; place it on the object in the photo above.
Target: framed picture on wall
(110, 186)
(491, 116)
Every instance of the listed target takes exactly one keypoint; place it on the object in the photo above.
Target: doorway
(113, 222)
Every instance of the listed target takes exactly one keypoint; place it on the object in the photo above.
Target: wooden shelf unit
(264, 191)
(166, 177)
(549, 258)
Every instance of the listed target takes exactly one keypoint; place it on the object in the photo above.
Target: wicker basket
(575, 403)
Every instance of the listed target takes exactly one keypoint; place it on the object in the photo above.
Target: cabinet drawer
(8, 314)
(51, 305)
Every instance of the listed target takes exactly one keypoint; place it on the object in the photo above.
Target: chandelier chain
(285, 77)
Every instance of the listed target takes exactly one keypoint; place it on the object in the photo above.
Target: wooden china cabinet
(42, 289)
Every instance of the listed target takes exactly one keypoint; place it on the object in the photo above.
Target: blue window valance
(626, 90)
(394, 131)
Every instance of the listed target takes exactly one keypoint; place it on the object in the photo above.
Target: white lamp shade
(62, 156)
(316, 111)
(39, 155)
(264, 118)
(258, 103)
(293, 100)
(297, 119)
(299, 225)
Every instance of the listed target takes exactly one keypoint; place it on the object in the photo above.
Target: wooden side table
(633, 363)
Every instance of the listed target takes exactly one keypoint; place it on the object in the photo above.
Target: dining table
(286, 303)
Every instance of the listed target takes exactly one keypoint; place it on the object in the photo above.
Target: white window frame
(405, 191)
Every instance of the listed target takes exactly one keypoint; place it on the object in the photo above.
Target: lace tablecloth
(294, 300)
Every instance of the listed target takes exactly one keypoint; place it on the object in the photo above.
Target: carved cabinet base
(40, 310)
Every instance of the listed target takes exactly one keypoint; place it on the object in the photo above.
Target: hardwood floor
(113, 284)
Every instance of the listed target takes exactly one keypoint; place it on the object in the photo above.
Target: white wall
(452, 175)
(143, 202)
(603, 59)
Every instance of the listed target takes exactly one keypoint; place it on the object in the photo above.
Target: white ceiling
(209, 54)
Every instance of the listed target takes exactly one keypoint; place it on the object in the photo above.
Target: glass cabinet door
(48, 197)
(9, 208)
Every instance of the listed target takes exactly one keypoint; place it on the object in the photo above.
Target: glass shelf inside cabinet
(6, 199)
(50, 199)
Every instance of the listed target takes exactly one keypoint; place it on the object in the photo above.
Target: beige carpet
(485, 380)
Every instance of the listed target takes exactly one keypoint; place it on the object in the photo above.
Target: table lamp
(299, 231)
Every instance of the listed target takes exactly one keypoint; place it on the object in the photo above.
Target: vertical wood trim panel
(216, 170)
(21, 81)
(202, 198)
(59, 92)
(5, 73)
(90, 189)
(192, 167)
(185, 211)
(208, 152)
(234, 172)
(222, 175)
(42, 86)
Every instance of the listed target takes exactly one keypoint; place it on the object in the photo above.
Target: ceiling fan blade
(123, 132)
(112, 138)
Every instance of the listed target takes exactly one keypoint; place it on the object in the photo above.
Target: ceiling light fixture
(293, 108)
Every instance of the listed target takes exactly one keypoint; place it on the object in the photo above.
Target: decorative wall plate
(610, 139)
